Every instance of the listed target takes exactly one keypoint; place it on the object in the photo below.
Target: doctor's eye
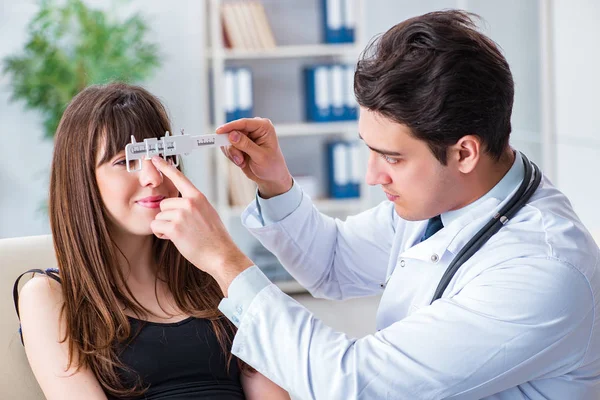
(389, 159)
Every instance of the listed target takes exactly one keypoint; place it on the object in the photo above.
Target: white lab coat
(518, 321)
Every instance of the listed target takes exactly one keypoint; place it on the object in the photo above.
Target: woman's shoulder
(41, 291)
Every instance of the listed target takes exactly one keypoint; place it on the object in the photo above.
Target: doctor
(518, 320)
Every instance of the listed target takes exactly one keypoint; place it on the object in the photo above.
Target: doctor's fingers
(253, 127)
(234, 155)
(242, 144)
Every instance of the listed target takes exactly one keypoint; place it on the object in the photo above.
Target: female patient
(131, 317)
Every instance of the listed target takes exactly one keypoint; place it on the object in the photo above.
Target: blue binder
(348, 20)
(333, 31)
(338, 92)
(230, 94)
(317, 98)
(350, 104)
(245, 103)
(341, 171)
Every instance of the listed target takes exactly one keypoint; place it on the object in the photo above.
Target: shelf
(290, 287)
(297, 51)
(324, 206)
(316, 128)
(312, 128)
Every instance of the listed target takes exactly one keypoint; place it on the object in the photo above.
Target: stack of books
(246, 26)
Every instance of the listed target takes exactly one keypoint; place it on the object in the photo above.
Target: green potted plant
(71, 46)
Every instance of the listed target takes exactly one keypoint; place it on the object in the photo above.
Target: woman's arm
(40, 303)
(258, 387)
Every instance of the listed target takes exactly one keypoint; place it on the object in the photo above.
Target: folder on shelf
(350, 104)
(334, 30)
(230, 95)
(317, 99)
(338, 89)
(348, 20)
(355, 167)
(341, 170)
(244, 90)
(237, 87)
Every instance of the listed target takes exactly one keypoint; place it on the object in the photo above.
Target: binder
(317, 98)
(355, 168)
(244, 91)
(348, 20)
(230, 94)
(332, 21)
(338, 89)
(340, 170)
(350, 104)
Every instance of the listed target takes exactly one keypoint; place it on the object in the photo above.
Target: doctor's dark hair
(440, 77)
(95, 127)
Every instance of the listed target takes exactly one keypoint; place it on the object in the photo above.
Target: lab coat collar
(460, 225)
(509, 182)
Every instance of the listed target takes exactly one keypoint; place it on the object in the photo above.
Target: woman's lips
(151, 202)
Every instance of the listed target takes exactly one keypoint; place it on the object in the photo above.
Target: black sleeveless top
(181, 360)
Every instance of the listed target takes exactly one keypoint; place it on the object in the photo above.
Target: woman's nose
(149, 175)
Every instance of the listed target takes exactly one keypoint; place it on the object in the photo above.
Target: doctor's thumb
(241, 144)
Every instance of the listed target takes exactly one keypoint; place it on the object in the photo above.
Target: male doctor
(520, 318)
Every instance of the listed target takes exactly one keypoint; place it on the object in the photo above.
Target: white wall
(25, 159)
(177, 27)
(577, 84)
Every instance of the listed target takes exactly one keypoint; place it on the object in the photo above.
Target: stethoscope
(514, 204)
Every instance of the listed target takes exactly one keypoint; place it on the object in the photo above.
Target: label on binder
(244, 81)
(340, 166)
(337, 91)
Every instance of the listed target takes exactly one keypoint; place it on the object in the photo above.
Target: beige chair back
(17, 256)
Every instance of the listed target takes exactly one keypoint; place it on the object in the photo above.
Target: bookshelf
(289, 51)
(218, 58)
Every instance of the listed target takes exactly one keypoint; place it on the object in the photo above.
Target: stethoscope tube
(514, 204)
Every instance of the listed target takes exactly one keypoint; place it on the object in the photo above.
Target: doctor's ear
(465, 153)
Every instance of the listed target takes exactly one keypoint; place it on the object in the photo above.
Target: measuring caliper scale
(169, 146)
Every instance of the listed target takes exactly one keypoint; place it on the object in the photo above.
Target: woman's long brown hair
(93, 284)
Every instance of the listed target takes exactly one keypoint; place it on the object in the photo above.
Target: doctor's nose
(376, 173)
(149, 175)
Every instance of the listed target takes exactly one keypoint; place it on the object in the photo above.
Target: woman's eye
(388, 159)
(123, 162)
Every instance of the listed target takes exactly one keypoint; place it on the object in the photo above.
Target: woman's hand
(195, 228)
(255, 149)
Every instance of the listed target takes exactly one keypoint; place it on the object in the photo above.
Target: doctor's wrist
(267, 190)
(229, 268)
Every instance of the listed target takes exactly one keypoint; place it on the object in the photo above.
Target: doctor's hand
(255, 149)
(195, 228)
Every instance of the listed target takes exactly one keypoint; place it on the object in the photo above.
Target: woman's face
(132, 199)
